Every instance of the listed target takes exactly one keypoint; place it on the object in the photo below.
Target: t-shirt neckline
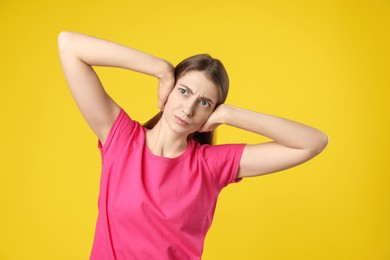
(180, 157)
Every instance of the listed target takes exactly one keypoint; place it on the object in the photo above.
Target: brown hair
(215, 71)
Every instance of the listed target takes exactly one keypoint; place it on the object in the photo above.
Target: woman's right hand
(165, 86)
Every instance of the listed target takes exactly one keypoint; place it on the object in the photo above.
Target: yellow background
(324, 63)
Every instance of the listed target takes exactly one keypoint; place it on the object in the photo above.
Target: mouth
(180, 121)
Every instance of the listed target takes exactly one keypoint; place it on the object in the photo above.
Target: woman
(160, 182)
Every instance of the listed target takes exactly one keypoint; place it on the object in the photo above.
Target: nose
(189, 108)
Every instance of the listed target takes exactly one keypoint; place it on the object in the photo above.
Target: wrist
(223, 111)
(166, 71)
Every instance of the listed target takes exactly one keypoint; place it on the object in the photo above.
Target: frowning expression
(191, 102)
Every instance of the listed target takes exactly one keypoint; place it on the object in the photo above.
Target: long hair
(215, 71)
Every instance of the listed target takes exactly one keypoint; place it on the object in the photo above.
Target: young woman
(160, 182)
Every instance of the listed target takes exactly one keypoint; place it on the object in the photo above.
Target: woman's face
(191, 102)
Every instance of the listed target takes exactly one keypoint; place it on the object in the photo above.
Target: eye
(183, 91)
(204, 103)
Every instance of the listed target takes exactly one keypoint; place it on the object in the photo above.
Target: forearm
(283, 131)
(98, 52)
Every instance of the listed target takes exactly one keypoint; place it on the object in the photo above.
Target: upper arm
(271, 157)
(97, 107)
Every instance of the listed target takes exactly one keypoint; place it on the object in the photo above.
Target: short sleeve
(224, 161)
(120, 133)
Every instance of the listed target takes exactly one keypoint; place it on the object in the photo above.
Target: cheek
(172, 100)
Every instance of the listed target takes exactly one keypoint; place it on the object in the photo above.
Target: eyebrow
(190, 90)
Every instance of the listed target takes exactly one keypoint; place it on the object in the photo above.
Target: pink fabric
(152, 207)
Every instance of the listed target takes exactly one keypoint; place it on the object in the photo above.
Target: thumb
(161, 103)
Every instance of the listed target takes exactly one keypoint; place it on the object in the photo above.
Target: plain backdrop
(323, 63)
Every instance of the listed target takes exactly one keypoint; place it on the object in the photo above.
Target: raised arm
(79, 52)
(293, 143)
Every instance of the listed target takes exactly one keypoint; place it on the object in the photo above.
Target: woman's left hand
(214, 120)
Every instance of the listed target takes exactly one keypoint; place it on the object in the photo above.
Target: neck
(163, 142)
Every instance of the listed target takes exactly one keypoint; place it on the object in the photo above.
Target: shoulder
(222, 161)
(123, 129)
(219, 149)
(219, 155)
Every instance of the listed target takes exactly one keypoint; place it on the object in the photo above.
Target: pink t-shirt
(153, 207)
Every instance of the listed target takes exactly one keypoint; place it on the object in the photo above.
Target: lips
(180, 121)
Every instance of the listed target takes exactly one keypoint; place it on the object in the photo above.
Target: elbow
(64, 40)
(320, 143)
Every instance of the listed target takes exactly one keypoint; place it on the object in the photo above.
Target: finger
(204, 128)
(161, 103)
